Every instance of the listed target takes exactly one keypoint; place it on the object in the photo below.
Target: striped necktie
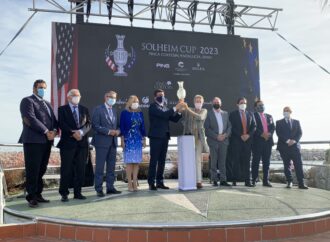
(75, 115)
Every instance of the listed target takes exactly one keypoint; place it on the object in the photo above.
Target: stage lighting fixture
(109, 7)
(88, 9)
(230, 17)
(130, 6)
(192, 12)
(153, 8)
(211, 14)
(172, 5)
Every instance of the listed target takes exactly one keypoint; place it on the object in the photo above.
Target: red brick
(41, 229)
(118, 235)
(252, 234)
(84, 233)
(199, 235)
(296, 229)
(11, 231)
(177, 236)
(68, 232)
(217, 235)
(328, 224)
(157, 236)
(283, 231)
(29, 229)
(235, 234)
(269, 232)
(137, 236)
(320, 226)
(101, 235)
(53, 230)
(308, 228)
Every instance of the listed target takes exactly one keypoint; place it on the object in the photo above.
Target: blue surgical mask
(111, 101)
(160, 99)
(41, 92)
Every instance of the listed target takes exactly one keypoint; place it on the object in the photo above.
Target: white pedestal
(187, 164)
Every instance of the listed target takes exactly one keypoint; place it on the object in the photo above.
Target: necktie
(111, 114)
(264, 122)
(288, 121)
(244, 122)
(75, 116)
(46, 107)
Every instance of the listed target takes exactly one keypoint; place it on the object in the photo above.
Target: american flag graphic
(109, 61)
(64, 62)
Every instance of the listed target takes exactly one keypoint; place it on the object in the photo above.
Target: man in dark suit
(262, 143)
(289, 133)
(243, 128)
(105, 123)
(74, 122)
(159, 135)
(39, 131)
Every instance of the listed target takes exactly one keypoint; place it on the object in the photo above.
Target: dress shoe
(79, 196)
(152, 187)
(113, 191)
(199, 185)
(289, 185)
(234, 184)
(267, 184)
(248, 184)
(224, 183)
(100, 194)
(33, 203)
(162, 186)
(254, 183)
(40, 199)
(302, 186)
(64, 198)
(215, 183)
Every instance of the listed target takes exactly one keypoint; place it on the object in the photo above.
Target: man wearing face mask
(217, 130)
(289, 133)
(74, 122)
(159, 134)
(243, 128)
(262, 143)
(39, 131)
(105, 123)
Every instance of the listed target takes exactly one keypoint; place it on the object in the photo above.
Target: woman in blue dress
(133, 139)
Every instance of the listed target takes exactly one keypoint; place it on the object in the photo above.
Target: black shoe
(234, 184)
(289, 185)
(215, 183)
(267, 184)
(162, 186)
(100, 194)
(40, 199)
(224, 183)
(33, 203)
(152, 187)
(64, 198)
(79, 196)
(302, 186)
(254, 183)
(248, 184)
(113, 191)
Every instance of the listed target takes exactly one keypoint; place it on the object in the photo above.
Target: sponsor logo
(163, 85)
(198, 67)
(162, 66)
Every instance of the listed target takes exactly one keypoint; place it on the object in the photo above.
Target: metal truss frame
(189, 12)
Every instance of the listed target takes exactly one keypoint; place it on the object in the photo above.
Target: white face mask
(135, 106)
(75, 100)
(242, 106)
(286, 115)
(198, 105)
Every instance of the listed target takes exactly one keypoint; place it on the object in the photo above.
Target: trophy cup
(181, 93)
(120, 56)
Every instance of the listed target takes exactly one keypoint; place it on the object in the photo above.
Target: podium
(186, 162)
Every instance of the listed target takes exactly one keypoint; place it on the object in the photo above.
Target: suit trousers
(288, 154)
(218, 155)
(73, 163)
(199, 160)
(158, 150)
(105, 156)
(261, 150)
(36, 160)
(241, 155)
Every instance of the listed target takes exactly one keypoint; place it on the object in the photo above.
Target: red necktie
(244, 122)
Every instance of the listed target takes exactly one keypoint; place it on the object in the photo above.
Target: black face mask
(160, 99)
(260, 108)
(216, 106)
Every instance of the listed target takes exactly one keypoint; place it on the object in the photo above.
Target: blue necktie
(75, 116)
(111, 114)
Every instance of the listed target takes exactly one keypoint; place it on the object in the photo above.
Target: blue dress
(132, 128)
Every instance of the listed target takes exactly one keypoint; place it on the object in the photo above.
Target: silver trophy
(120, 56)
(181, 93)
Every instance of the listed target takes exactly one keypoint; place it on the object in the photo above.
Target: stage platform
(237, 213)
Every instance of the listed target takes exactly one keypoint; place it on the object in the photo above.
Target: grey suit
(105, 146)
(218, 149)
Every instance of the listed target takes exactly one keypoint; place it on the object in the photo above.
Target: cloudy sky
(287, 77)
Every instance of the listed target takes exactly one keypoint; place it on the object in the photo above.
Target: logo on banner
(198, 67)
(163, 66)
(120, 60)
(163, 85)
(145, 100)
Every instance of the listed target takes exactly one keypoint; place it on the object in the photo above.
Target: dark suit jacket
(284, 132)
(67, 124)
(102, 124)
(159, 118)
(36, 120)
(236, 125)
(259, 128)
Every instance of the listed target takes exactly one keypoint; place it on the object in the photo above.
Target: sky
(286, 76)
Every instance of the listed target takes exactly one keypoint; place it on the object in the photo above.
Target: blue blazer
(36, 120)
(102, 124)
(285, 132)
(159, 118)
